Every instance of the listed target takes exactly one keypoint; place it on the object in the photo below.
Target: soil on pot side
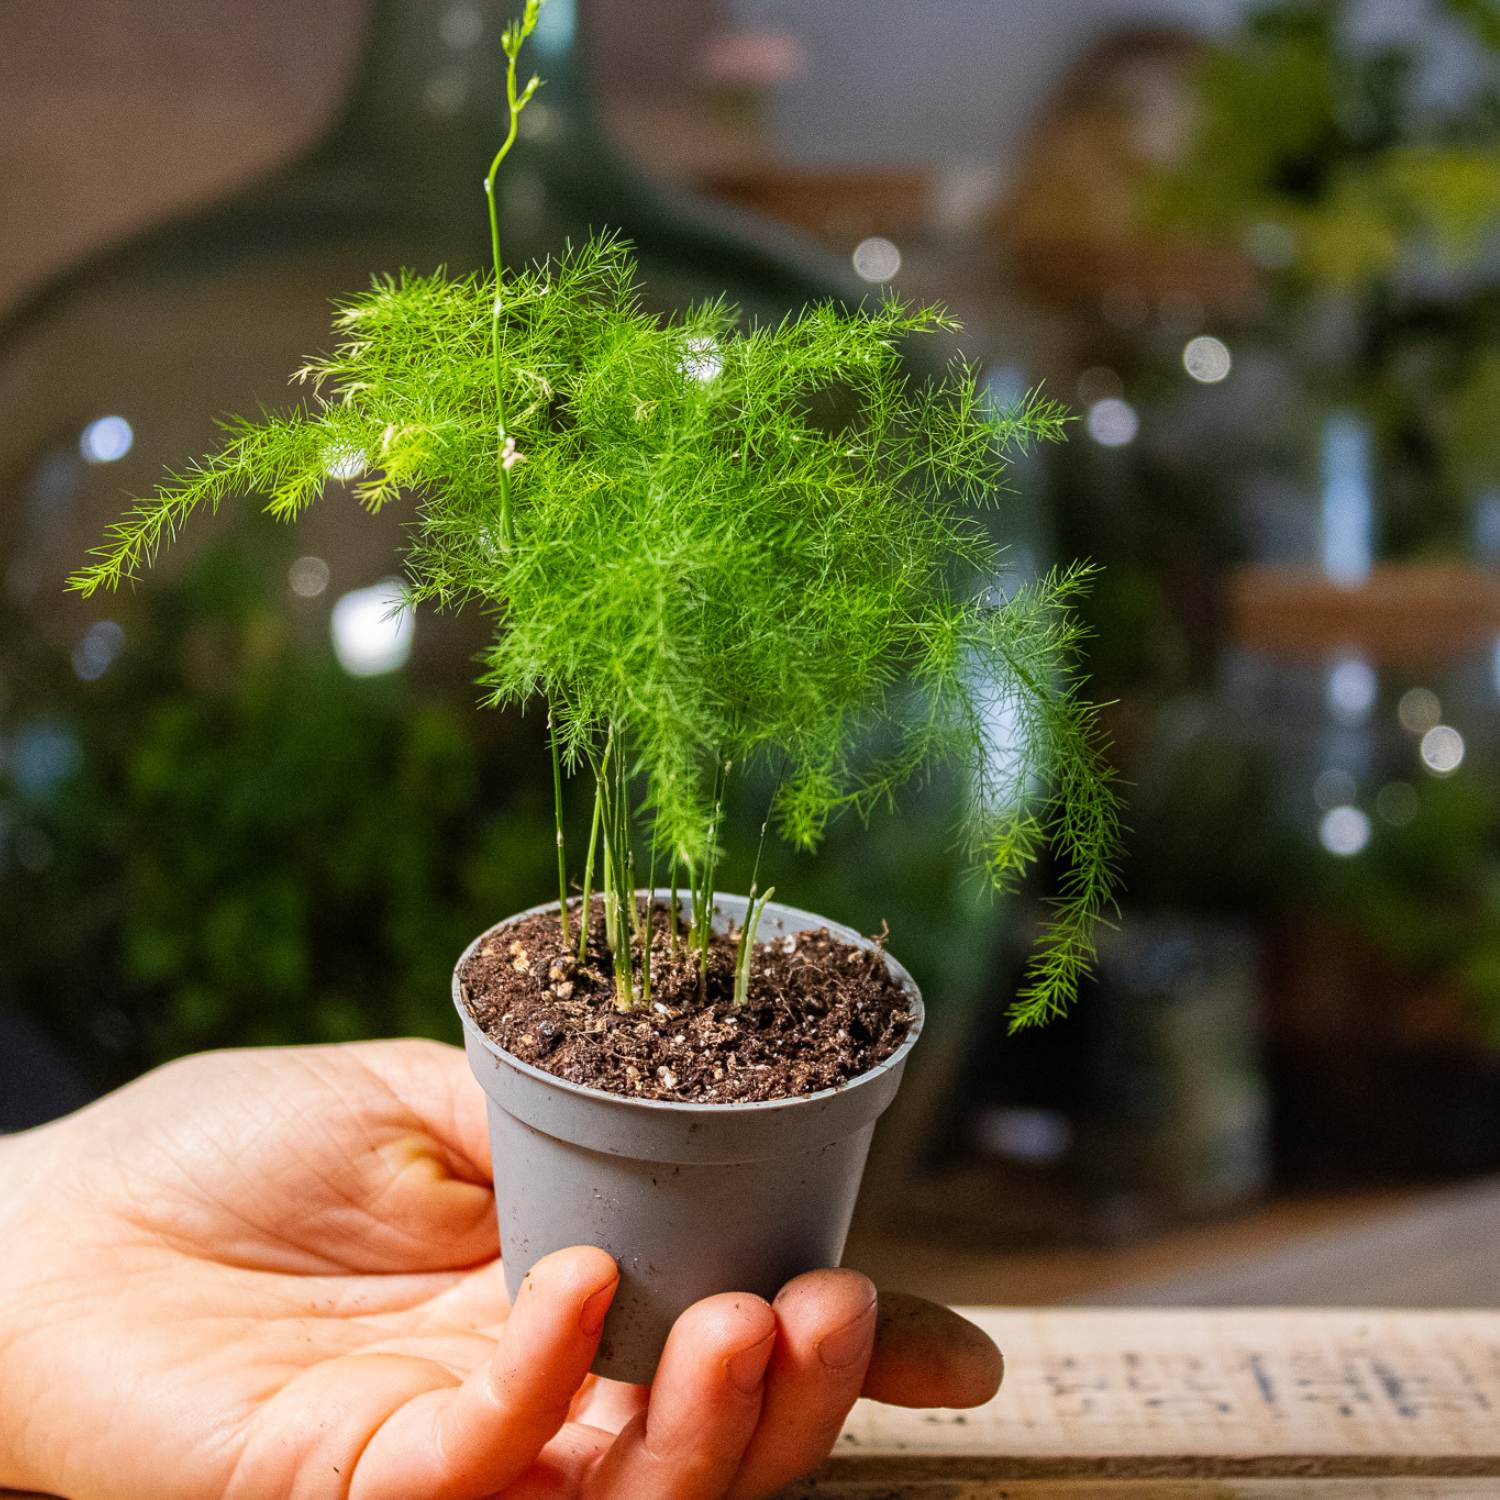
(820, 1012)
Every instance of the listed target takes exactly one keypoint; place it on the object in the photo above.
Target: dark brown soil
(819, 1013)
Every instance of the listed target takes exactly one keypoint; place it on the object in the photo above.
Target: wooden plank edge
(898, 1468)
(1152, 1489)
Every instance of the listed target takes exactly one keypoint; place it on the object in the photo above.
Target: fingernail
(841, 1348)
(595, 1308)
(748, 1368)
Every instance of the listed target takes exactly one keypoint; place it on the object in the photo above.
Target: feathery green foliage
(705, 545)
(726, 545)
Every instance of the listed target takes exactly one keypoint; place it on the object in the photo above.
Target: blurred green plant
(1318, 150)
(233, 841)
(1363, 175)
(1425, 897)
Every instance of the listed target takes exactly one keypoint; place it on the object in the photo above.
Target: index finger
(473, 1439)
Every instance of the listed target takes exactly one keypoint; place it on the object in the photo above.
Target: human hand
(265, 1274)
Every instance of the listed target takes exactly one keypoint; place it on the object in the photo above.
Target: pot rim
(672, 1106)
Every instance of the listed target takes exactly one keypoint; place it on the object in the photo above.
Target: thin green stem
(611, 876)
(588, 872)
(701, 874)
(557, 815)
(672, 913)
(624, 902)
(754, 911)
(602, 774)
(646, 925)
(703, 905)
(505, 448)
(752, 914)
(760, 847)
(613, 792)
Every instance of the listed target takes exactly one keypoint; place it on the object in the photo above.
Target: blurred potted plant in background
(216, 835)
(1359, 170)
(1393, 958)
(1329, 454)
(1277, 247)
(1361, 173)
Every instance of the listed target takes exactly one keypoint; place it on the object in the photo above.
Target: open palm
(273, 1274)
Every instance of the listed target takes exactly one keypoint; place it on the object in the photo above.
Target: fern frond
(722, 544)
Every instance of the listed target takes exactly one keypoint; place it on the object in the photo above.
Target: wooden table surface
(1194, 1404)
(1182, 1404)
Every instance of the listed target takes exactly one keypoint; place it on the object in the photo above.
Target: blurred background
(1251, 242)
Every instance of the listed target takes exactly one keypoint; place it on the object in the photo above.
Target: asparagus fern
(704, 545)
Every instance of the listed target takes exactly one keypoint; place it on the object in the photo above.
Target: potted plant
(704, 546)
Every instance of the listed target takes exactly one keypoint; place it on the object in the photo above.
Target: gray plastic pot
(690, 1199)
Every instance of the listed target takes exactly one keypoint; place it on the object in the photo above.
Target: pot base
(679, 1231)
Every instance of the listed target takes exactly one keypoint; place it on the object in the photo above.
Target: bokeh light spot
(1344, 831)
(96, 652)
(1113, 423)
(106, 440)
(1352, 686)
(876, 259)
(345, 463)
(1207, 359)
(372, 632)
(702, 359)
(307, 577)
(1419, 710)
(1442, 750)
